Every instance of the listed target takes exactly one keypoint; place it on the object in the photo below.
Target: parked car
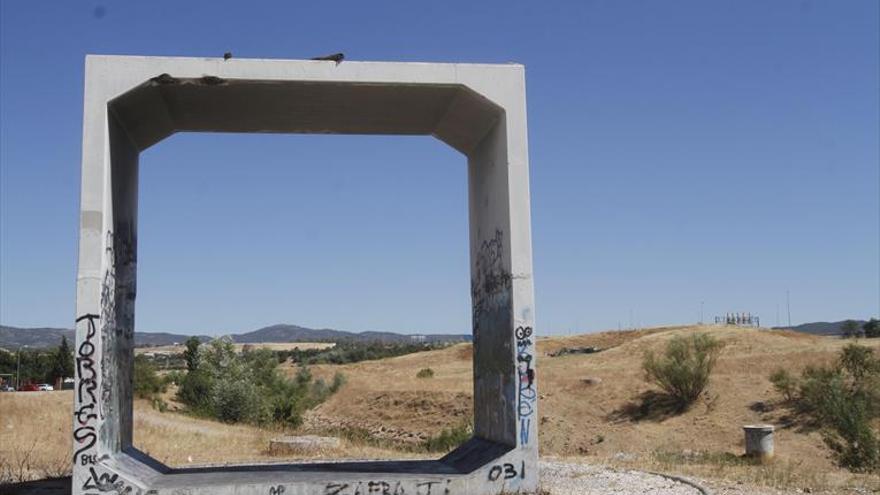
(30, 387)
(7, 388)
(45, 387)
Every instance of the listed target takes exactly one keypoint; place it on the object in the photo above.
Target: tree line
(38, 365)
(869, 330)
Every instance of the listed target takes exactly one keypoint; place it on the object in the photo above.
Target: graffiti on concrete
(107, 483)
(526, 374)
(117, 312)
(108, 324)
(507, 471)
(490, 283)
(388, 488)
(84, 434)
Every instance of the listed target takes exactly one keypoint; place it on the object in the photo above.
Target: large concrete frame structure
(132, 103)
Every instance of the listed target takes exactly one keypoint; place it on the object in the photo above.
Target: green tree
(195, 391)
(850, 329)
(872, 328)
(62, 362)
(191, 353)
(147, 383)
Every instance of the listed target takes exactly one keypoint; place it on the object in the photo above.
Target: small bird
(227, 55)
(336, 57)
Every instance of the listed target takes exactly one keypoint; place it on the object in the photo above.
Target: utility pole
(788, 307)
(18, 369)
(701, 312)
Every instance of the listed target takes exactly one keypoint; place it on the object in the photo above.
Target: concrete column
(105, 297)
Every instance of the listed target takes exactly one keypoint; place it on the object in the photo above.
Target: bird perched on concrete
(227, 55)
(336, 57)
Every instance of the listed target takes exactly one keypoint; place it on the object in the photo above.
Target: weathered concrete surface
(132, 103)
(557, 478)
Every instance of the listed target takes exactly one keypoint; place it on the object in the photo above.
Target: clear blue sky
(681, 151)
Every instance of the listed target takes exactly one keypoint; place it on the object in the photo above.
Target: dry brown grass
(35, 435)
(591, 421)
(594, 419)
(35, 439)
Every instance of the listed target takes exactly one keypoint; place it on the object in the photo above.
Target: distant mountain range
(821, 327)
(13, 337)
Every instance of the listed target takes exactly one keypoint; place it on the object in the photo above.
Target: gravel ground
(560, 478)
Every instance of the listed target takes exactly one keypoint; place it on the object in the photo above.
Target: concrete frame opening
(132, 103)
(309, 259)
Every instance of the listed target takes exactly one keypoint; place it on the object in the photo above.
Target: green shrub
(683, 370)
(145, 381)
(172, 377)
(785, 383)
(195, 391)
(236, 401)
(339, 381)
(845, 401)
(160, 405)
(449, 438)
(425, 373)
(859, 362)
(848, 416)
(248, 387)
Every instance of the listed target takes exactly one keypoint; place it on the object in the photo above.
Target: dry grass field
(273, 346)
(589, 404)
(588, 412)
(35, 439)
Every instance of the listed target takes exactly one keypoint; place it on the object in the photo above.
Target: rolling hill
(597, 406)
(14, 337)
(820, 327)
(294, 333)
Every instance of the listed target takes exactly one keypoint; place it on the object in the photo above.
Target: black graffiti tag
(508, 470)
(384, 488)
(334, 488)
(86, 384)
(490, 282)
(105, 483)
